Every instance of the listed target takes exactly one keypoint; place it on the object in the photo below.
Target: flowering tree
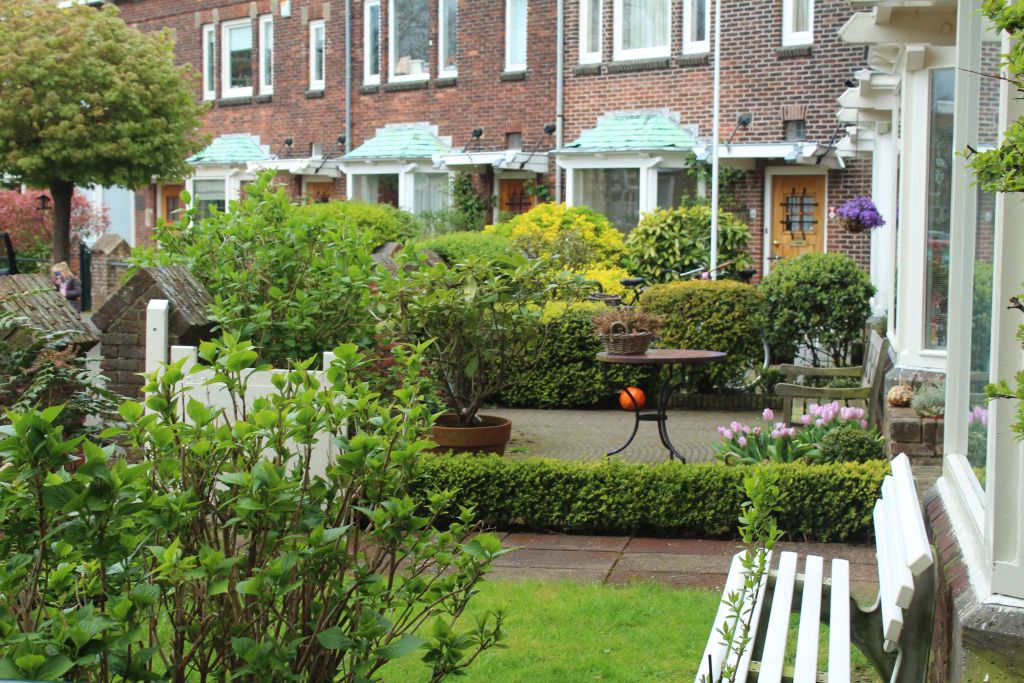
(30, 228)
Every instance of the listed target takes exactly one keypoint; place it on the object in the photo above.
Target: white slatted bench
(895, 634)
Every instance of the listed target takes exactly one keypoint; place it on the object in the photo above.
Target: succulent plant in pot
(627, 330)
(484, 319)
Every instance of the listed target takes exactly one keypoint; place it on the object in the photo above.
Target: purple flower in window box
(860, 214)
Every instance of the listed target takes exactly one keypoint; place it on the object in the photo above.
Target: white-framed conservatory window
(371, 41)
(590, 31)
(614, 192)
(209, 62)
(209, 194)
(267, 54)
(696, 25)
(236, 41)
(409, 40)
(447, 32)
(516, 22)
(430, 192)
(797, 22)
(642, 29)
(317, 55)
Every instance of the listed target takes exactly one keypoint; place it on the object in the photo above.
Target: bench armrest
(788, 370)
(801, 391)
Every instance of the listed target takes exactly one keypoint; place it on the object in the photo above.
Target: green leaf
(334, 639)
(405, 645)
(30, 662)
(54, 668)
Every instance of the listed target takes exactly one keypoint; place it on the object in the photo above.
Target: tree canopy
(86, 100)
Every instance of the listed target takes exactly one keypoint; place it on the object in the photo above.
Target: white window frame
(442, 45)
(511, 66)
(314, 84)
(209, 60)
(791, 38)
(592, 56)
(406, 172)
(393, 52)
(266, 27)
(370, 78)
(696, 47)
(621, 54)
(225, 52)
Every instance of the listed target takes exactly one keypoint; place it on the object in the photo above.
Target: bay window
(642, 28)
(615, 192)
(317, 55)
(371, 41)
(515, 34)
(448, 37)
(409, 40)
(430, 192)
(797, 22)
(210, 195)
(267, 54)
(209, 62)
(695, 27)
(590, 31)
(237, 44)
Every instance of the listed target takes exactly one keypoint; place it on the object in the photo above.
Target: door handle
(776, 243)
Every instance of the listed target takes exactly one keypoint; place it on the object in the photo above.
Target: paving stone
(687, 546)
(676, 580)
(568, 559)
(681, 564)
(547, 574)
(856, 554)
(566, 542)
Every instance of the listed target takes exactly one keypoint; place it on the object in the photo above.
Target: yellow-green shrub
(610, 278)
(578, 236)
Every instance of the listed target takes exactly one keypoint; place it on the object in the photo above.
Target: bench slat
(743, 667)
(715, 649)
(890, 548)
(839, 624)
(915, 539)
(778, 621)
(806, 667)
(892, 615)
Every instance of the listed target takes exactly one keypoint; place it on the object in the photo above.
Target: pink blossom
(757, 431)
(863, 424)
(768, 415)
(727, 433)
(819, 422)
(736, 426)
(742, 442)
(705, 275)
(805, 419)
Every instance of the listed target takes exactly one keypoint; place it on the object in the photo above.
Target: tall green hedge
(715, 315)
(381, 222)
(567, 374)
(830, 502)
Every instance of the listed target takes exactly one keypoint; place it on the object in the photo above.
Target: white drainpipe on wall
(348, 77)
(559, 92)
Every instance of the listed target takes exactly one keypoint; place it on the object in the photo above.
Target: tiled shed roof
(232, 149)
(403, 141)
(632, 132)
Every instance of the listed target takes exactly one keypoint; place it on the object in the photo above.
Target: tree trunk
(61, 191)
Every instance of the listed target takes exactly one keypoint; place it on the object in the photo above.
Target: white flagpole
(714, 139)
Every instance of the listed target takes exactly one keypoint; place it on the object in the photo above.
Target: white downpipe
(715, 121)
(559, 92)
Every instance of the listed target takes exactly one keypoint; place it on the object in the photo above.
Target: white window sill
(651, 53)
(232, 93)
(371, 80)
(696, 50)
(266, 91)
(515, 68)
(316, 87)
(449, 73)
(209, 96)
(798, 41)
(591, 58)
(409, 78)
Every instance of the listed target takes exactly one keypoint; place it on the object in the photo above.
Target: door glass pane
(644, 23)
(411, 41)
(940, 176)
(615, 192)
(373, 49)
(240, 47)
(450, 28)
(209, 195)
(516, 33)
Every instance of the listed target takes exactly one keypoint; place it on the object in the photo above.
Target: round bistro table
(671, 359)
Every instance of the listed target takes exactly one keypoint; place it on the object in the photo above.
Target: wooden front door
(319, 193)
(512, 196)
(172, 202)
(798, 216)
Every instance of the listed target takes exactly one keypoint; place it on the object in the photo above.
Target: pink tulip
(768, 415)
(863, 424)
(742, 442)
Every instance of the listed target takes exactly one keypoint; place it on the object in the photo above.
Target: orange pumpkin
(630, 394)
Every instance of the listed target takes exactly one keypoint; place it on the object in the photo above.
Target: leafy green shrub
(222, 555)
(576, 236)
(680, 239)
(818, 302)
(456, 247)
(930, 399)
(716, 315)
(830, 502)
(294, 280)
(567, 374)
(380, 222)
(850, 444)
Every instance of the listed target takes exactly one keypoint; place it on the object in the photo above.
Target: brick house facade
(760, 76)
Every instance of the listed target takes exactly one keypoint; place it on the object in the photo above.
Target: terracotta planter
(491, 436)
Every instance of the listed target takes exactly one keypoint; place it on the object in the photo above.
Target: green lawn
(570, 632)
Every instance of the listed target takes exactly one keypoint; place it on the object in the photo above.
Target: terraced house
(606, 103)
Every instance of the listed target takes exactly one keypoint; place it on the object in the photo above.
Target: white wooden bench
(895, 634)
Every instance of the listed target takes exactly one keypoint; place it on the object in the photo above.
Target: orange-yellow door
(798, 216)
(319, 192)
(172, 202)
(512, 196)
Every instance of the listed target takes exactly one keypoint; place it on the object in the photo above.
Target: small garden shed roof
(633, 132)
(400, 141)
(238, 148)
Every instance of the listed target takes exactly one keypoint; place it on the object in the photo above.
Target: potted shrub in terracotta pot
(484, 320)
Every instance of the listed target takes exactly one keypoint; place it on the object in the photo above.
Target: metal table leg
(659, 416)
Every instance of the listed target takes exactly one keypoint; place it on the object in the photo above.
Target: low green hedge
(458, 246)
(830, 502)
(567, 374)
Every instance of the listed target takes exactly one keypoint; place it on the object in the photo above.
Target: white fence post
(157, 322)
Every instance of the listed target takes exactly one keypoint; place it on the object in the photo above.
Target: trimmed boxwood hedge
(830, 502)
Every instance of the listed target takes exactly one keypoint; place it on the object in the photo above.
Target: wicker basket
(622, 343)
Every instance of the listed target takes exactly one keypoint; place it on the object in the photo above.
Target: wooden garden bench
(895, 634)
(871, 374)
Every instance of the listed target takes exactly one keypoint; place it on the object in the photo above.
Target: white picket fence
(159, 353)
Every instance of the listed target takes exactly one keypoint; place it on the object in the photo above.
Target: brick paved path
(586, 435)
